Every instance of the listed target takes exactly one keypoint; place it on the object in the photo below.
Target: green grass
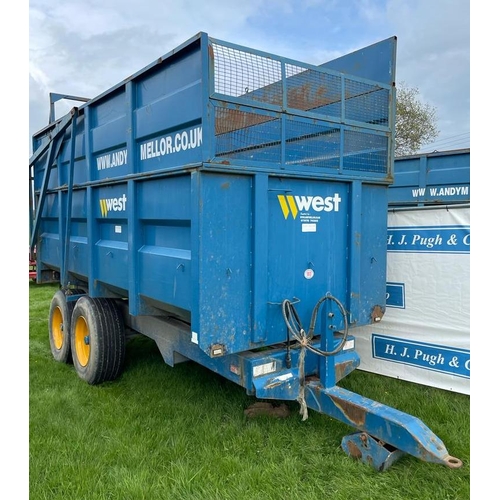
(180, 433)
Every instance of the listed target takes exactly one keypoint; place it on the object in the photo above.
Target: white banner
(424, 336)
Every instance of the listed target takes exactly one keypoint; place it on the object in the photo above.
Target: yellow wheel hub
(57, 328)
(82, 341)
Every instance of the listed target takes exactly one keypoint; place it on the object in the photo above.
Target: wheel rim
(58, 328)
(82, 341)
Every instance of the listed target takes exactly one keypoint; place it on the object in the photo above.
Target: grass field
(181, 433)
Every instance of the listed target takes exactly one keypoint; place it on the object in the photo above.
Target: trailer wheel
(60, 324)
(97, 339)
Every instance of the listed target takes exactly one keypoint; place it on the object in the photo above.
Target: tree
(415, 121)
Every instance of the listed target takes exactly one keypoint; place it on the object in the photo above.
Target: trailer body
(217, 200)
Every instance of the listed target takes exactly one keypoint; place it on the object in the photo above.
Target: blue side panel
(169, 114)
(307, 246)
(53, 176)
(80, 171)
(49, 247)
(108, 123)
(78, 255)
(164, 252)
(305, 239)
(373, 263)
(431, 179)
(375, 62)
(225, 285)
(183, 147)
(111, 240)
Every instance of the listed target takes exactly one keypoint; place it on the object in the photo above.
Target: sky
(84, 47)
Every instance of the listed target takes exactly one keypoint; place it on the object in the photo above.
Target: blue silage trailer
(231, 205)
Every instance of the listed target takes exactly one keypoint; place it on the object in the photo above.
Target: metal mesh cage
(246, 135)
(312, 144)
(316, 91)
(239, 73)
(366, 103)
(365, 151)
(279, 112)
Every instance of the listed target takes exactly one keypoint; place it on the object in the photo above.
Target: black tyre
(97, 339)
(60, 324)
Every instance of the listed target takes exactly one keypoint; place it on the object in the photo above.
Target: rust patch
(305, 98)
(354, 451)
(225, 185)
(340, 370)
(322, 91)
(357, 239)
(228, 120)
(353, 413)
(300, 98)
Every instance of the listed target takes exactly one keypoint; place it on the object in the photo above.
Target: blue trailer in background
(428, 275)
(431, 179)
(215, 202)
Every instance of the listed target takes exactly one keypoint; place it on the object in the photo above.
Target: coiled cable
(294, 325)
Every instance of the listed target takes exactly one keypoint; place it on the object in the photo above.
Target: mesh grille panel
(366, 103)
(242, 74)
(365, 152)
(249, 136)
(312, 144)
(320, 124)
(311, 90)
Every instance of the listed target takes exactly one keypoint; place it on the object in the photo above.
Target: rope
(294, 326)
(302, 385)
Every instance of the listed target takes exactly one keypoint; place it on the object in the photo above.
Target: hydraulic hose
(294, 325)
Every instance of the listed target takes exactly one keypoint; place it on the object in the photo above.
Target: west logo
(113, 205)
(294, 204)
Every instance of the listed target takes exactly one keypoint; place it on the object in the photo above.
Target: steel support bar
(69, 203)
(390, 426)
(52, 144)
(47, 141)
(57, 97)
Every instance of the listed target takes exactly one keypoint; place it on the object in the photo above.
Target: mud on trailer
(231, 205)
